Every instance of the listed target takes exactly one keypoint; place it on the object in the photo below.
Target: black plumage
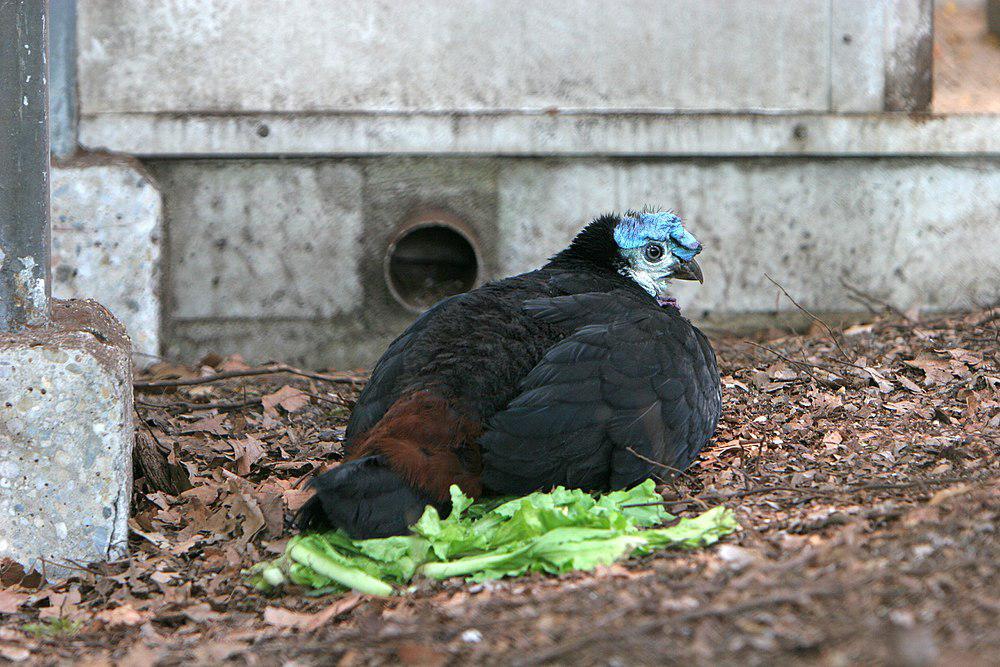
(572, 374)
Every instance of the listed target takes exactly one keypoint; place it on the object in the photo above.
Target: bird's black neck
(594, 248)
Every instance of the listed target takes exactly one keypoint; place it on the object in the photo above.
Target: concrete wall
(235, 77)
(289, 141)
(911, 232)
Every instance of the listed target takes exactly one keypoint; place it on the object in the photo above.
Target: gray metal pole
(24, 164)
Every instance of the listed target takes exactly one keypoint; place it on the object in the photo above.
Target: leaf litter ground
(863, 465)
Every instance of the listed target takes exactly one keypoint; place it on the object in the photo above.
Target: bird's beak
(689, 270)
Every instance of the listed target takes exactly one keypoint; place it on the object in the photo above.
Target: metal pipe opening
(432, 256)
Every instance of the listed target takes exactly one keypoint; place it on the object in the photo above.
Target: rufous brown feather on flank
(428, 443)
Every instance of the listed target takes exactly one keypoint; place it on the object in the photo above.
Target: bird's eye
(653, 252)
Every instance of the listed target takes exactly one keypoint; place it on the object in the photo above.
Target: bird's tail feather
(364, 498)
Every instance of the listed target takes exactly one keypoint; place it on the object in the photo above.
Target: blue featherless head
(636, 230)
(654, 250)
(651, 248)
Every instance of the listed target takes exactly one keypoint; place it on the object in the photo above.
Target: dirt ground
(863, 464)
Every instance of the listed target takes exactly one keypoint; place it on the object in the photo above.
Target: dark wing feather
(645, 382)
(388, 378)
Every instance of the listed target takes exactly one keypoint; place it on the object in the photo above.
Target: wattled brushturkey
(582, 373)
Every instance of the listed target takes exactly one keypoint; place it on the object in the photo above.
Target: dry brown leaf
(152, 537)
(123, 615)
(141, 655)
(12, 574)
(964, 356)
(200, 391)
(909, 384)
(245, 507)
(296, 498)
(951, 492)
(61, 604)
(249, 451)
(206, 493)
(233, 362)
(858, 329)
(305, 621)
(413, 653)
(884, 385)
(833, 438)
(201, 613)
(826, 402)
(288, 397)
(286, 618)
(936, 370)
(217, 653)
(212, 424)
(10, 601)
(13, 652)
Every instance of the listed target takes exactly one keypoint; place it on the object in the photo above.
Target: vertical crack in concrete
(113, 536)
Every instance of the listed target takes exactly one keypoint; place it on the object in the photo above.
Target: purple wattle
(668, 301)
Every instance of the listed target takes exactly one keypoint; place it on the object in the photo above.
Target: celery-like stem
(464, 566)
(346, 576)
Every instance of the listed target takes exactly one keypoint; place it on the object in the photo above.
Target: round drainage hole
(428, 263)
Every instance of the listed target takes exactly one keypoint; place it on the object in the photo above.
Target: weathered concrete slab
(914, 233)
(541, 134)
(909, 54)
(107, 231)
(66, 439)
(263, 240)
(340, 343)
(857, 53)
(311, 56)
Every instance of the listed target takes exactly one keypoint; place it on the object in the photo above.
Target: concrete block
(107, 220)
(396, 189)
(857, 73)
(317, 295)
(66, 439)
(340, 343)
(264, 239)
(440, 55)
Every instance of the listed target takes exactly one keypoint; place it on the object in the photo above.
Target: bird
(582, 373)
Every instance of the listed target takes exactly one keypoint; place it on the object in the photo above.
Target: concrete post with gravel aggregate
(66, 439)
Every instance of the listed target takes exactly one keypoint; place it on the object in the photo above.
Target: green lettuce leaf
(555, 532)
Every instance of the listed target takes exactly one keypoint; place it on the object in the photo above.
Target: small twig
(342, 378)
(222, 405)
(864, 296)
(338, 403)
(829, 329)
(664, 466)
(884, 486)
(845, 363)
(69, 565)
(806, 367)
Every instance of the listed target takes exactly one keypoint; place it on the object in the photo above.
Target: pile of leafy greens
(552, 532)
